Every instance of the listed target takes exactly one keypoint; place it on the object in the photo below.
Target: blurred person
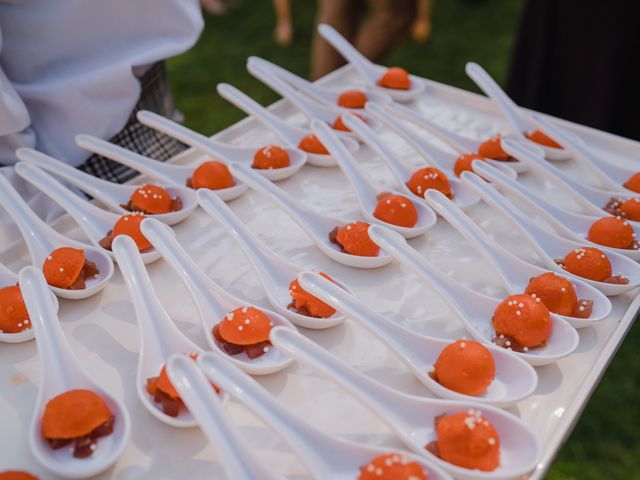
(421, 28)
(578, 61)
(283, 33)
(385, 25)
(216, 7)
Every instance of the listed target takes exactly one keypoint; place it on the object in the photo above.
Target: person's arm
(421, 29)
(283, 33)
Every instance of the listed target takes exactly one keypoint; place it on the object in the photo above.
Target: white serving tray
(103, 333)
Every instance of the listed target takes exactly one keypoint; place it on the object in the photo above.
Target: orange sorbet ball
(463, 163)
(542, 139)
(468, 440)
(611, 232)
(633, 183)
(396, 78)
(556, 292)
(392, 466)
(270, 157)
(245, 326)
(631, 208)
(588, 262)
(311, 144)
(163, 383)
(352, 99)
(73, 414)
(305, 301)
(397, 210)
(524, 319)
(14, 317)
(426, 178)
(492, 148)
(212, 175)
(338, 124)
(466, 367)
(130, 225)
(63, 266)
(16, 475)
(354, 239)
(151, 199)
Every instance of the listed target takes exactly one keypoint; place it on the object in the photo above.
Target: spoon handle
(148, 166)
(293, 79)
(353, 56)
(372, 139)
(195, 390)
(489, 86)
(314, 447)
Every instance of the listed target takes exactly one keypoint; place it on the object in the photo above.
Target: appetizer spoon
(324, 456)
(212, 301)
(513, 272)
(289, 134)
(520, 123)
(238, 461)
(274, 272)
(412, 418)
(316, 225)
(457, 143)
(94, 221)
(328, 96)
(515, 379)
(369, 71)
(571, 225)
(463, 196)
(61, 371)
(165, 172)
(474, 309)
(215, 149)
(112, 195)
(41, 240)
(366, 191)
(550, 246)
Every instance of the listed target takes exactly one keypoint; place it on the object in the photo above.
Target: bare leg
(421, 28)
(283, 33)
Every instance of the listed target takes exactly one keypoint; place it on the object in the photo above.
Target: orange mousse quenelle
(152, 200)
(306, 304)
(311, 144)
(213, 175)
(79, 417)
(245, 329)
(427, 178)
(339, 125)
(397, 210)
(633, 183)
(270, 157)
(492, 148)
(465, 366)
(592, 264)
(395, 78)
(558, 295)
(16, 475)
(463, 163)
(541, 138)
(352, 99)
(14, 317)
(127, 225)
(67, 268)
(613, 232)
(354, 239)
(521, 322)
(467, 440)
(392, 466)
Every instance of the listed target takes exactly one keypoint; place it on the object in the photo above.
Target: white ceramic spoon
(94, 221)
(310, 109)
(212, 301)
(366, 191)
(463, 196)
(459, 144)
(110, 194)
(159, 337)
(325, 95)
(571, 225)
(550, 246)
(324, 456)
(165, 172)
(369, 71)
(515, 379)
(474, 309)
(513, 272)
(520, 123)
(238, 461)
(289, 134)
(274, 272)
(316, 225)
(411, 418)
(41, 240)
(61, 371)
(215, 149)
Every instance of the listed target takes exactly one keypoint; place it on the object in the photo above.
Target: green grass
(606, 441)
